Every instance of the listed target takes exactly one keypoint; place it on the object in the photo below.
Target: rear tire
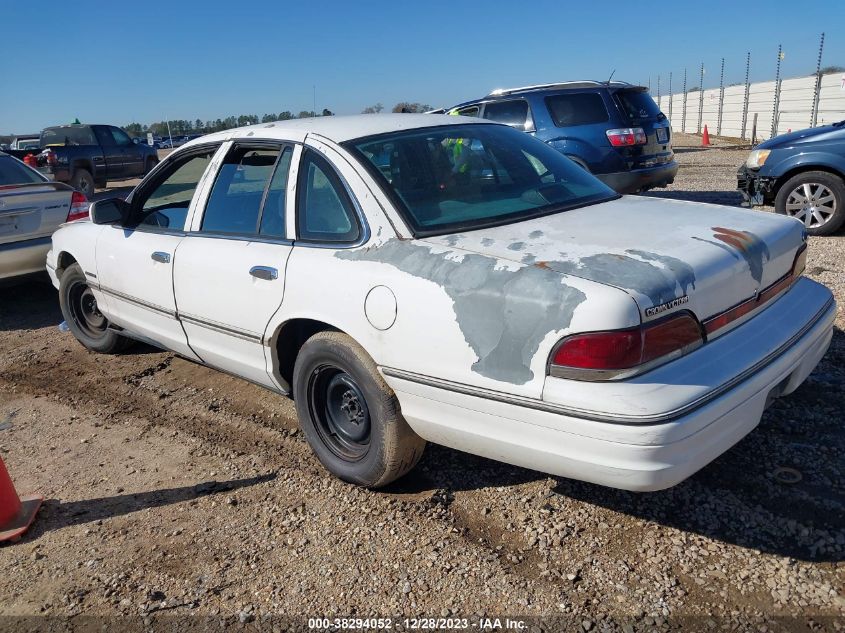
(79, 309)
(817, 198)
(83, 181)
(349, 415)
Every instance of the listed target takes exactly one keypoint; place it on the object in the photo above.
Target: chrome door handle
(158, 256)
(264, 272)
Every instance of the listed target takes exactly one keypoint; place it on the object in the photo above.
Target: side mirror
(109, 211)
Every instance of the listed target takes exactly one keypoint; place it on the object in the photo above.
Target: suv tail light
(623, 353)
(79, 207)
(626, 136)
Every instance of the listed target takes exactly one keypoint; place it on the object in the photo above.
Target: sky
(146, 61)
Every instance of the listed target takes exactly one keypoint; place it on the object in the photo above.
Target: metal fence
(752, 111)
(731, 111)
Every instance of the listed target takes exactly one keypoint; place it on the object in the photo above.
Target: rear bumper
(641, 456)
(640, 179)
(24, 257)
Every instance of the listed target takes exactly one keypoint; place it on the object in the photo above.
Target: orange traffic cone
(705, 138)
(16, 513)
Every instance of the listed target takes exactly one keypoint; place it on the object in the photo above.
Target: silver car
(31, 208)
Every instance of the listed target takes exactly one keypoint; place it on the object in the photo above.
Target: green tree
(267, 118)
(285, 115)
(406, 106)
(134, 129)
(829, 70)
(306, 114)
(373, 109)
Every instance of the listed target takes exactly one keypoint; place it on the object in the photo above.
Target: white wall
(795, 107)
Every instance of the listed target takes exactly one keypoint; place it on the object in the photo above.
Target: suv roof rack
(588, 83)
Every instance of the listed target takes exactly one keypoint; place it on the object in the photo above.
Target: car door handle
(158, 256)
(264, 272)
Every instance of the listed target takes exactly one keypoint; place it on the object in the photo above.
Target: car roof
(340, 128)
(499, 93)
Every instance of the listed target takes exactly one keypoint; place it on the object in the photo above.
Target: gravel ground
(175, 493)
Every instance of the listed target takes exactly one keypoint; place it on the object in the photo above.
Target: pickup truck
(86, 156)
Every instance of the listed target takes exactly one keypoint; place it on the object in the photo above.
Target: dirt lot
(174, 490)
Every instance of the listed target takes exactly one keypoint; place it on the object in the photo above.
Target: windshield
(463, 177)
(637, 104)
(70, 135)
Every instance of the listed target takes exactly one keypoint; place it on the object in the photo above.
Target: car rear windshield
(577, 108)
(637, 104)
(67, 136)
(464, 177)
(13, 172)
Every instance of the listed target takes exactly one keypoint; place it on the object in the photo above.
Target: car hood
(810, 135)
(667, 254)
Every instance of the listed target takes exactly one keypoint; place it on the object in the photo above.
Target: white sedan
(408, 278)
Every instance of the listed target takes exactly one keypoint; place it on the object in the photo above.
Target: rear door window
(468, 111)
(67, 136)
(120, 137)
(513, 113)
(580, 108)
(234, 204)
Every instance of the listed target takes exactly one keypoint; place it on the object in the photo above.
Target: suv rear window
(637, 104)
(581, 108)
(513, 113)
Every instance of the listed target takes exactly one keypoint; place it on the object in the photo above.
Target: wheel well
(290, 339)
(800, 169)
(83, 165)
(65, 259)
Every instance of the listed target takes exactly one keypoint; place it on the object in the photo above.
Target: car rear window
(637, 104)
(67, 136)
(580, 108)
(513, 113)
(14, 173)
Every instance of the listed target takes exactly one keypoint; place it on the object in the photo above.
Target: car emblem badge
(663, 307)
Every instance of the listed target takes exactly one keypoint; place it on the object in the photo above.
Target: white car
(423, 277)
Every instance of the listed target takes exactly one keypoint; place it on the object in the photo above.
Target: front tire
(817, 198)
(86, 322)
(349, 415)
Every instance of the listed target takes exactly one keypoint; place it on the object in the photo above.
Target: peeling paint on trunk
(658, 283)
(750, 246)
(503, 314)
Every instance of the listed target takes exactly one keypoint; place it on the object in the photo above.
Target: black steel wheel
(349, 415)
(340, 413)
(83, 316)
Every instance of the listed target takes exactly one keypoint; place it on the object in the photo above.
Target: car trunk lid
(32, 210)
(668, 255)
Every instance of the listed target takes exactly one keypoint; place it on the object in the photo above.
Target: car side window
(234, 204)
(469, 111)
(324, 210)
(165, 201)
(513, 112)
(120, 137)
(273, 211)
(580, 108)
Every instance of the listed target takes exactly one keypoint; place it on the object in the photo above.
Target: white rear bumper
(648, 455)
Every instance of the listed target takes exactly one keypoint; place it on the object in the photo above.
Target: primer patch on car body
(503, 314)
(658, 283)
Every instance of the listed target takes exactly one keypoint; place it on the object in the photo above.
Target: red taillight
(79, 206)
(30, 160)
(624, 137)
(614, 352)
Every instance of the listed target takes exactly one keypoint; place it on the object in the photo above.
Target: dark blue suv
(613, 129)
